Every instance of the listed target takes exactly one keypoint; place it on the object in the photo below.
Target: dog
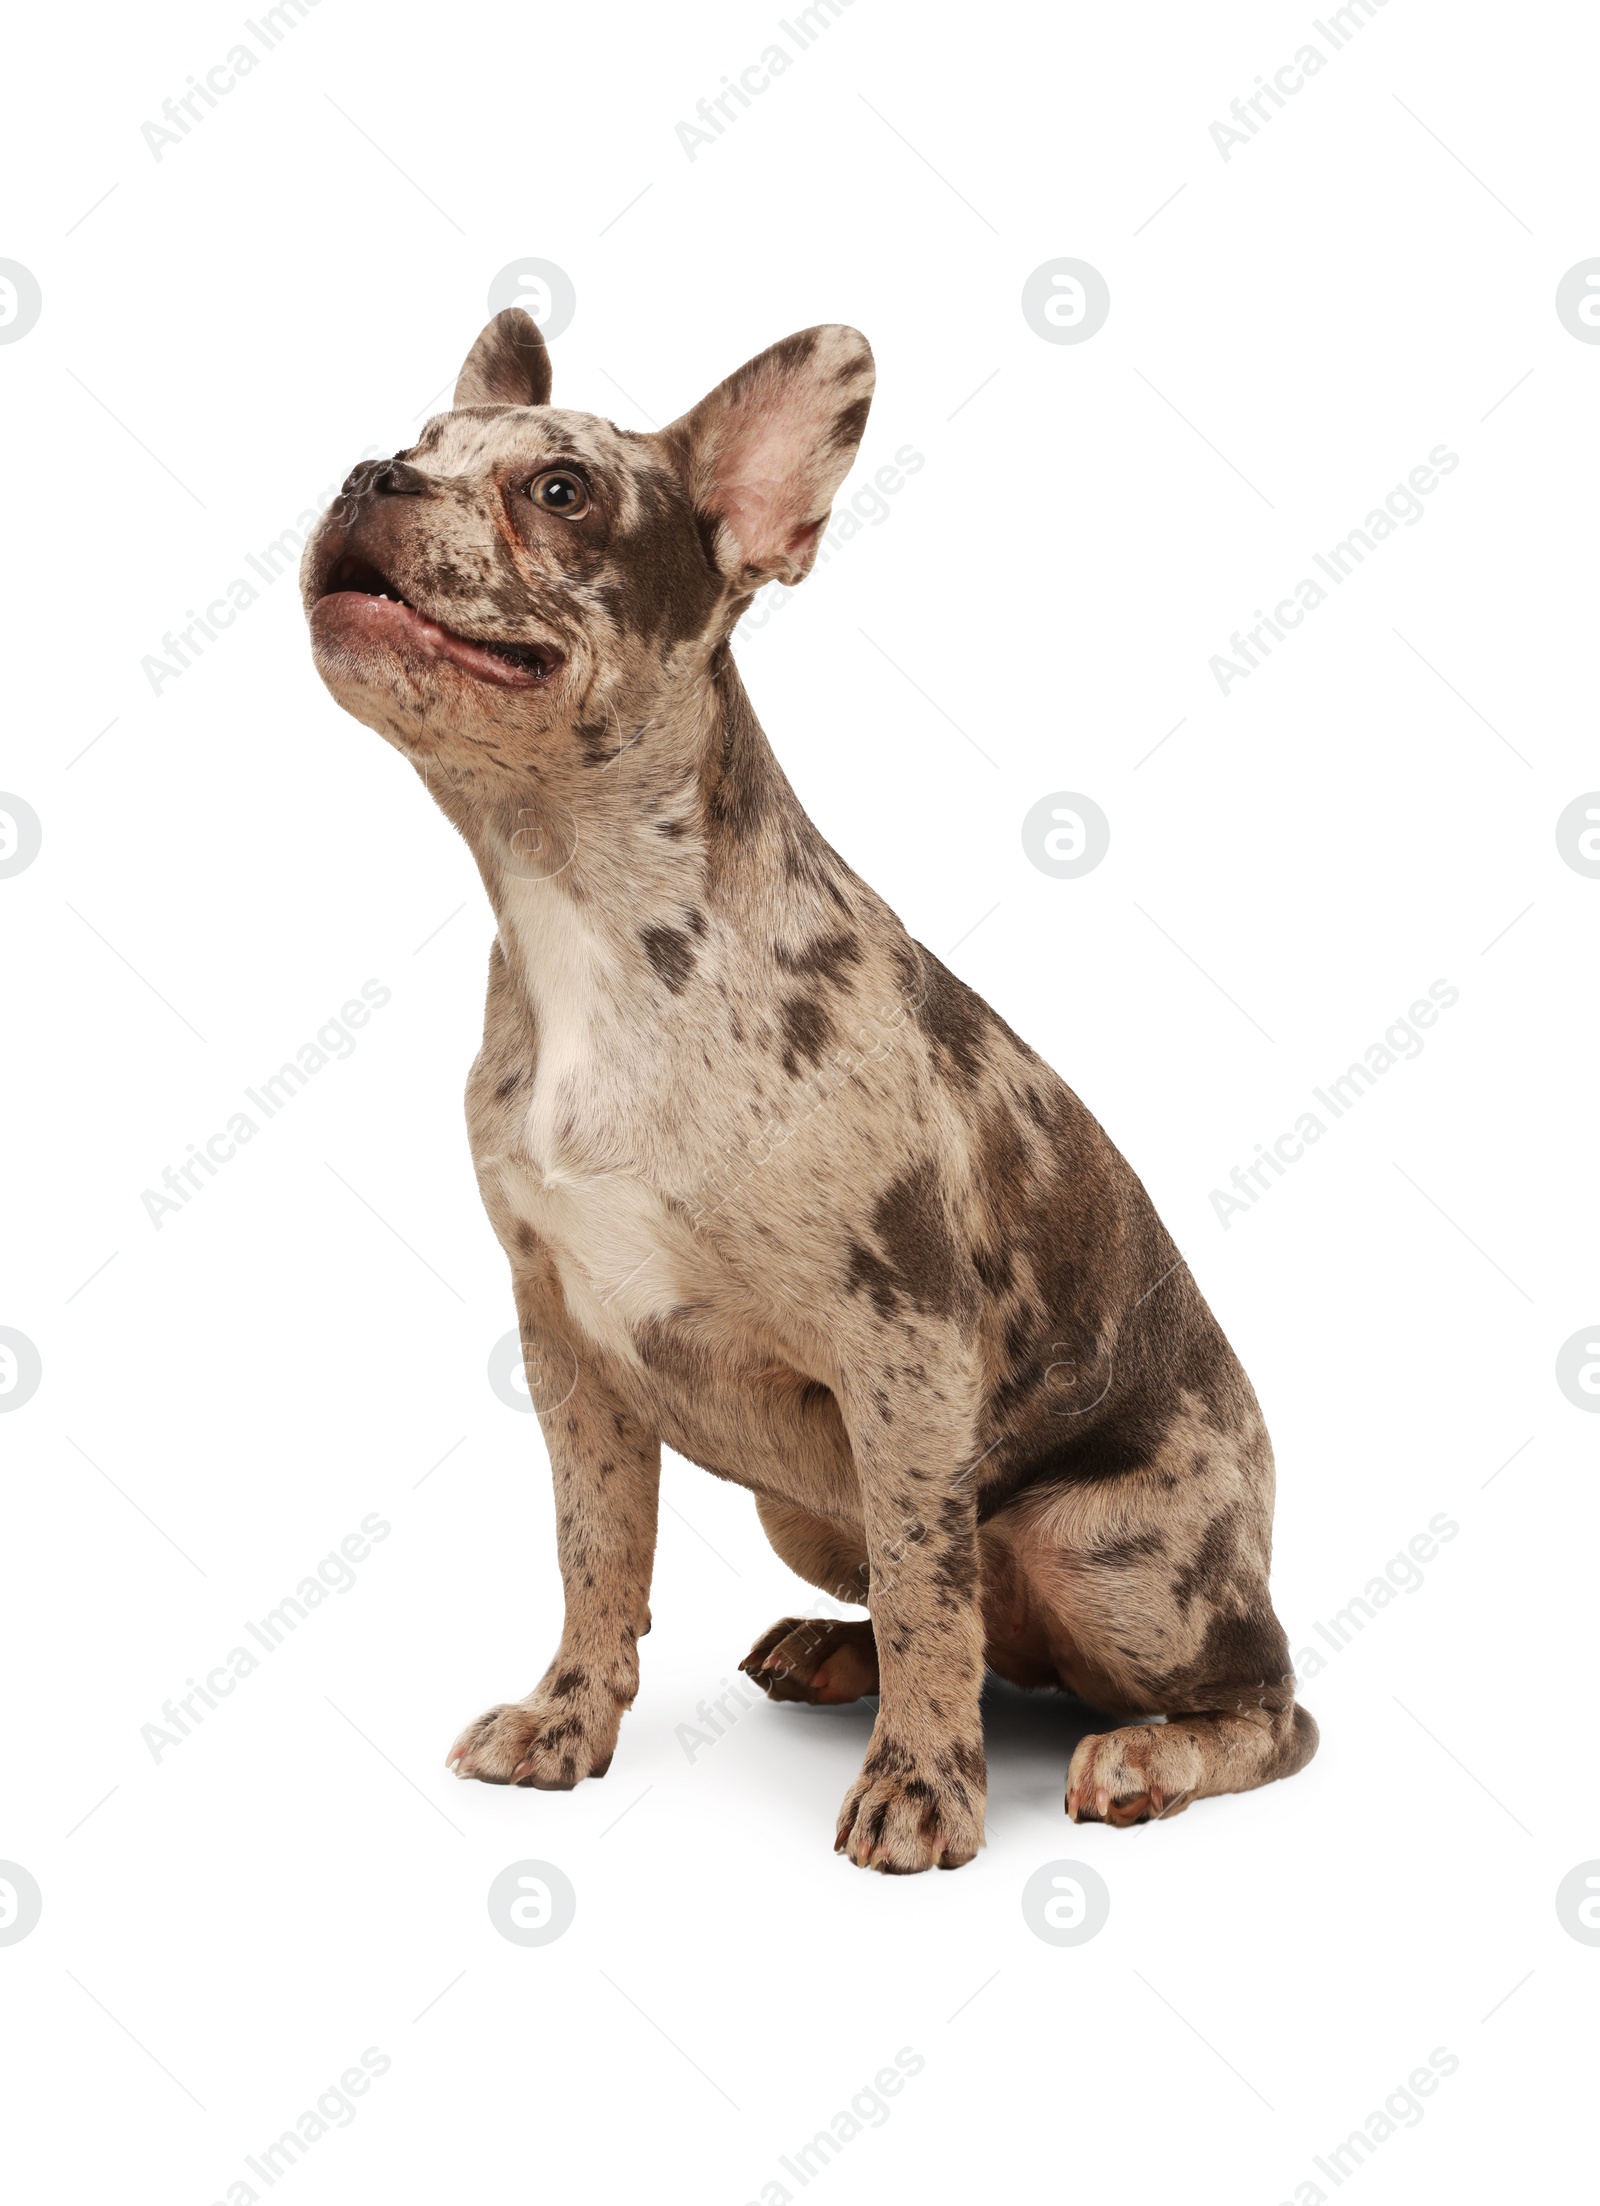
(775, 1187)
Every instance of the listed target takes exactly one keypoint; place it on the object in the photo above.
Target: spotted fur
(774, 1186)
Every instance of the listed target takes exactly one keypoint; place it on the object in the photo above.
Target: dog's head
(524, 571)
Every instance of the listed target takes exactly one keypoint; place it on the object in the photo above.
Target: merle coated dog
(775, 1187)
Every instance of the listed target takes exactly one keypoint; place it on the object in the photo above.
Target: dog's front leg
(918, 1801)
(607, 1472)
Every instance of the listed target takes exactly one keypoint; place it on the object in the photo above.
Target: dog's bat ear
(763, 454)
(508, 366)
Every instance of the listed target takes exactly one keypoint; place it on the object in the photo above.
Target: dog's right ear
(763, 454)
(508, 366)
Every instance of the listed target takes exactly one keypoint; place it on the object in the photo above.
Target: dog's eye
(561, 492)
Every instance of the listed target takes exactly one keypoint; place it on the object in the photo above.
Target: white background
(1369, 812)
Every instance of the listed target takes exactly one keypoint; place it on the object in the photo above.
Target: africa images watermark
(715, 1719)
(1402, 2109)
(869, 508)
(280, 556)
(187, 110)
(335, 1573)
(333, 1039)
(868, 2109)
(722, 110)
(1402, 1573)
(335, 2109)
(1403, 505)
(1400, 1040)
(1250, 114)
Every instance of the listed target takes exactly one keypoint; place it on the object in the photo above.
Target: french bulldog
(775, 1187)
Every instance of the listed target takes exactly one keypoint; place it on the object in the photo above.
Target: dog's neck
(646, 822)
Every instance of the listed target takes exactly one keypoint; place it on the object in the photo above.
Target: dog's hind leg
(814, 1658)
(1149, 1588)
(828, 1555)
(820, 1659)
(1145, 1771)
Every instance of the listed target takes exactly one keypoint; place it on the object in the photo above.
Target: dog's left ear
(763, 454)
(508, 366)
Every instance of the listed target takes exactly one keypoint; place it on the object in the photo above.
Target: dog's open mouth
(361, 603)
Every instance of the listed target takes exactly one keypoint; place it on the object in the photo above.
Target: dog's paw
(814, 1659)
(908, 1812)
(1137, 1775)
(544, 1741)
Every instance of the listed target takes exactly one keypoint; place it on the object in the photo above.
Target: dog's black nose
(359, 480)
(397, 479)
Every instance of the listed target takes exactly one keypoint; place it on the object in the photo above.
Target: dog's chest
(583, 1150)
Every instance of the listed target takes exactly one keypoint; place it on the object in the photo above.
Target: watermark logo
(1079, 1374)
(182, 1716)
(21, 1903)
(186, 110)
(1577, 830)
(1401, 1040)
(20, 1368)
(1402, 2109)
(532, 1903)
(544, 292)
(714, 1719)
(1066, 835)
(1401, 508)
(1577, 1902)
(20, 301)
(720, 110)
(544, 840)
(333, 1039)
(1253, 111)
(1066, 1903)
(181, 648)
(868, 508)
(21, 835)
(531, 1379)
(1065, 301)
(869, 2108)
(1403, 1573)
(1578, 302)
(335, 2108)
(1578, 1369)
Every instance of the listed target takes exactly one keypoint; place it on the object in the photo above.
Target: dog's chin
(377, 642)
